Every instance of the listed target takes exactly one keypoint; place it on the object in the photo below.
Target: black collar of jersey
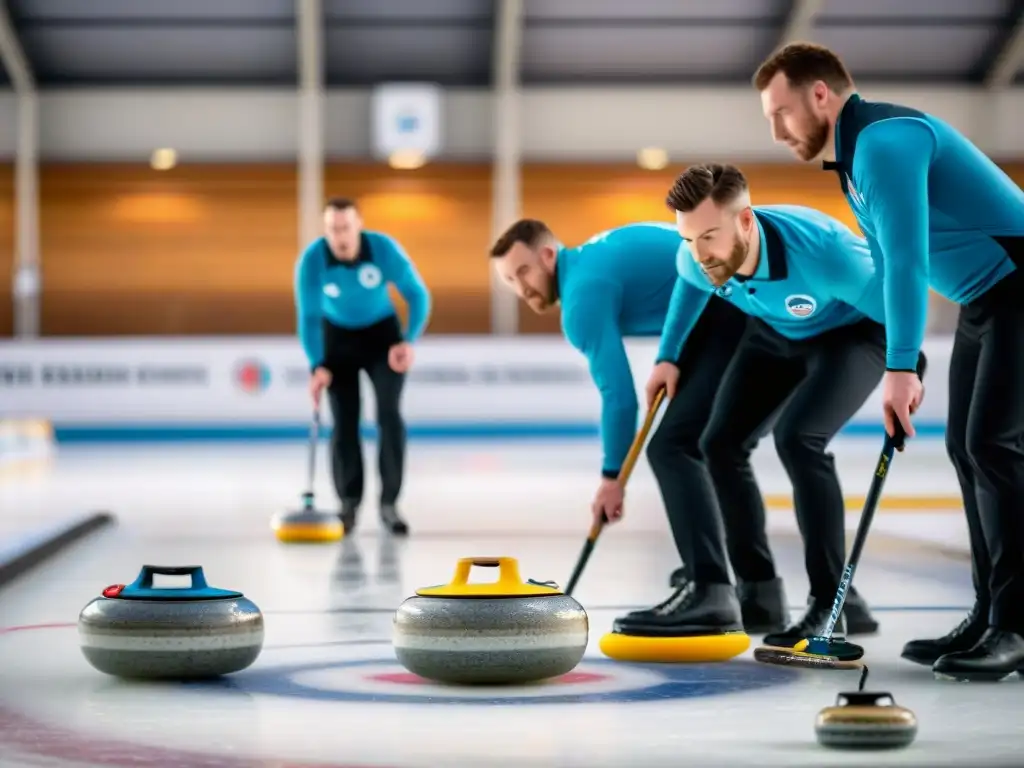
(775, 252)
(556, 288)
(365, 256)
(844, 140)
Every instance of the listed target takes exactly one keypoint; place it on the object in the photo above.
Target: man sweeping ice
(347, 323)
(937, 213)
(814, 353)
(619, 284)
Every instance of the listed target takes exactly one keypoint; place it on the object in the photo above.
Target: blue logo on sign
(407, 123)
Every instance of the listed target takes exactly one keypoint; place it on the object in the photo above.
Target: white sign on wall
(537, 385)
(406, 119)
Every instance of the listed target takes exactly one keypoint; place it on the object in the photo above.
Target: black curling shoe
(763, 606)
(693, 609)
(348, 516)
(392, 521)
(810, 625)
(859, 620)
(962, 637)
(997, 655)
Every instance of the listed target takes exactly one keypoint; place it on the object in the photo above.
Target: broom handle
(314, 438)
(631, 458)
(893, 443)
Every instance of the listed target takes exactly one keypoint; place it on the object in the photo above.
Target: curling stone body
(505, 632)
(859, 721)
(138, 631)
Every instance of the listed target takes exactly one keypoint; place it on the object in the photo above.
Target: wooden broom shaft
(634, 452)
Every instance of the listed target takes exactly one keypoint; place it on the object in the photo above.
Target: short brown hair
(722, 183)
(341, 203)
(804, 64)
(530, 232)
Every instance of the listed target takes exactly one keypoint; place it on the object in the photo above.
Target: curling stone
(307, 525)
(142, 631)
(503, 632)
(660, 646)
(865, 720)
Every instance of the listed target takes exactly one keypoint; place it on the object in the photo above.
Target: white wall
(589, 124)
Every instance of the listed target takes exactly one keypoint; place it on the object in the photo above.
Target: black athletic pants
(349, 351)
(809, 389)
(674, 450)
(985, 441)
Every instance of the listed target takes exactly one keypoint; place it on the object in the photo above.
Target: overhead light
(407, 159)
(163, 159)
(652, 158)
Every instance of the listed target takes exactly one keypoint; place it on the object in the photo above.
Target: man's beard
(731, 265)
(812, 146)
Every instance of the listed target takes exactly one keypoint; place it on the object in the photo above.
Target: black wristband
(610, 474)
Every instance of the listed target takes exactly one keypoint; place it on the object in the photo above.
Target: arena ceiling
(73, 43)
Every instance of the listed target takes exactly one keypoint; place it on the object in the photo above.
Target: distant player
(619, 284)
(809, 362)
(938, 212)
(347, 324)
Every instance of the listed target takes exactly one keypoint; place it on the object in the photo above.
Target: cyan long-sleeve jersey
(813, 274)
(355, 294)
(934, 209)
(617, 284)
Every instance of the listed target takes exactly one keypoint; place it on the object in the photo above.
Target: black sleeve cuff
(900, 370)
(610, 474)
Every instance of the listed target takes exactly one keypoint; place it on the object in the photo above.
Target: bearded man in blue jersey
(814, 353)
(620, 284)
(937, 213)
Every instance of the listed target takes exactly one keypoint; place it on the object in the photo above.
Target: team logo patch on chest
(332, 290)
(801, 305)
(369, 276)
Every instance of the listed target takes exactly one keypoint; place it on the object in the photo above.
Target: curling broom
(822, 651)
(623, 478)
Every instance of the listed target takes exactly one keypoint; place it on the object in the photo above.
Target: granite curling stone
(307, 525)
(498, 633)
(145, 632)
(865, 720)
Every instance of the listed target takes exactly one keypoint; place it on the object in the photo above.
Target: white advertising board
(536, 386)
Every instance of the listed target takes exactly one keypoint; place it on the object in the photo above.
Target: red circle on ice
(408, 678)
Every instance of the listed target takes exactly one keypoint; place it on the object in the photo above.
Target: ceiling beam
(1008, 62)
(800, 22)
(13, 55)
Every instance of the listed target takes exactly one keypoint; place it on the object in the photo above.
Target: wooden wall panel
(6, 248)
(200, 249)
(441, 214)
(211, 249)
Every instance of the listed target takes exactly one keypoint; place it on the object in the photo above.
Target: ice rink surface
(327, 690)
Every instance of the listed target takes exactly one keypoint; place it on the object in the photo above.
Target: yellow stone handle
(508, 570)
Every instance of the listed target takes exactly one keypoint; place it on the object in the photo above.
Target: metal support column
(311, 98)
(27, 282)
(800, 23)
(506, 194)
(1010, 58)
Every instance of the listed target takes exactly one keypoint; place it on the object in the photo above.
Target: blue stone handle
(145, 579)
